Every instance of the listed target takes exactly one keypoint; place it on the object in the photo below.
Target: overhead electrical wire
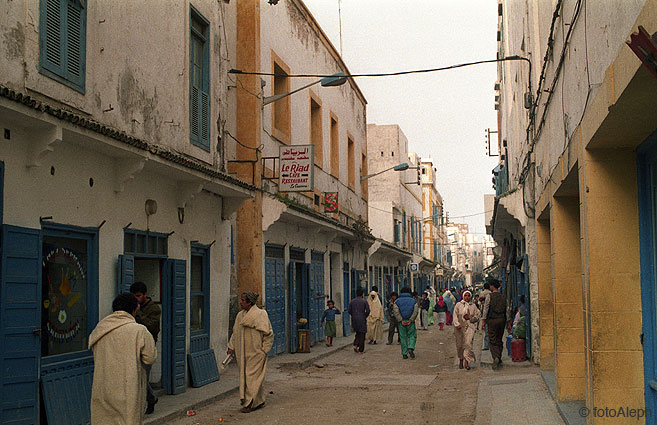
(382, 74)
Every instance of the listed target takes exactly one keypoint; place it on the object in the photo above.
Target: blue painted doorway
(647, 191)
(275, 294)
(346, 291)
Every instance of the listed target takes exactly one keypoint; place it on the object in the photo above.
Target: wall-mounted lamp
(150, 206)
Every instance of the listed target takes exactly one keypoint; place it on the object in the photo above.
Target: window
(351, 164)
(403, 228)
(69, 289)
(199, 81)
(281, 108)
(316, 130)
(62, 41)
(397, 235)
(335, 148)
(146, 244)
(199, 282)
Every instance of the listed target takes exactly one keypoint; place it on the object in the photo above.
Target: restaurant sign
(296, 168)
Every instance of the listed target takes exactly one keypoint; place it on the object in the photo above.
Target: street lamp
(399, 167)
(333, 81)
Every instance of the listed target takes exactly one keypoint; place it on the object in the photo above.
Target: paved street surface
(381, 387)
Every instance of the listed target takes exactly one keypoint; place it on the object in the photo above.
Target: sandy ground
(376, 387)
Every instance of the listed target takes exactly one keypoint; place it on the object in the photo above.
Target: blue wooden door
(346, 291)
(126, 273)
(316, 301)
(647, 188)
(174, 315)
(292, 308)
(275, 301)
(20, 325)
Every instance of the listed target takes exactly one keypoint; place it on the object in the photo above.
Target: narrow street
(381, 387)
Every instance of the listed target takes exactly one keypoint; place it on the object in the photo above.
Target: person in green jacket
(148, 315)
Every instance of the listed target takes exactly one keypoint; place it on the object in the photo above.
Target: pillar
(611, 262)
(545, 296)
(567, 298)
(249, 216)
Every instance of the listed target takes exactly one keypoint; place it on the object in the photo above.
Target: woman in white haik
(466, 316)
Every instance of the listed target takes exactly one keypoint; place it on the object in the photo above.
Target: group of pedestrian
(123, 343)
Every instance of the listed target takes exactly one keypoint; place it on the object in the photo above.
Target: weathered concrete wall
(289, 32)
(137, 67)
(61, 188)
(389, 147)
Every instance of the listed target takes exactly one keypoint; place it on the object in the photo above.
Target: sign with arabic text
(296, 168)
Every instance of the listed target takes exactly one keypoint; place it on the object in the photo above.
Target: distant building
(395, 208)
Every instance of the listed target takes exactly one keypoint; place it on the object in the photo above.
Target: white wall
(288, 32)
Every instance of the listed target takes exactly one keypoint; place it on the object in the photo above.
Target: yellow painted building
(579, 141)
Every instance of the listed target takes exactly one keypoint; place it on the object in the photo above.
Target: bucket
(518, 350)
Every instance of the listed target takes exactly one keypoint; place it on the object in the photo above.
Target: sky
(443, 114)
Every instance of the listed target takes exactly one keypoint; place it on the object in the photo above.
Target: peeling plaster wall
(64, 192)
(137, 67)
(597, 37)
(286, 32)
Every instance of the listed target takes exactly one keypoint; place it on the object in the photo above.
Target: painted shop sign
(296, 168)
(331, 202)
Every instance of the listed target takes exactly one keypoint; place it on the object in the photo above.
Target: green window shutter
(199, 87)
(75, 46)
(204, 127)
(51, 36)
(194, 113)
(62, 41)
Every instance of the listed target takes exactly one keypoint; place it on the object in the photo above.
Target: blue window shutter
(51, 36)
(126, 273)
(199, 87)
(204, 124)
(194, 112)
(76, 23)
(179, 316)
(62, 41)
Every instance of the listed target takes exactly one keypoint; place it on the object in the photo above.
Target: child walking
(329, 316)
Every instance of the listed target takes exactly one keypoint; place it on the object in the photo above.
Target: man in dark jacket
(148, 315)
(359, 310)
(406, 310)
(496, 314)
(393, 325)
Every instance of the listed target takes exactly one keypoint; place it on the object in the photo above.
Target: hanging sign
(413, 267)
(331, 202)
(296, 168)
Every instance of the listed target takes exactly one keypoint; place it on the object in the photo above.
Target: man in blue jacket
(406, 311)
